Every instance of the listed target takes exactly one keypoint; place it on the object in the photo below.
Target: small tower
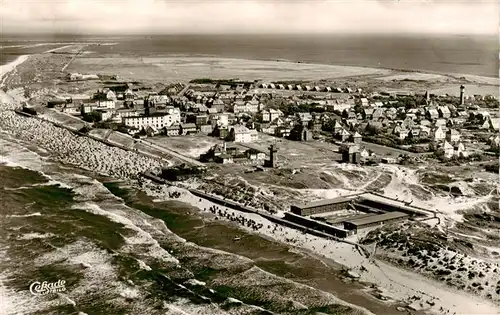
(273, 156)
(462, 96)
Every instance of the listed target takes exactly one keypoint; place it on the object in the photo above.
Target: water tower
(273, 156)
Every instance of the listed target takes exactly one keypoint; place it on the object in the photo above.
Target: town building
(304, 118)
(432, 114)
(72, 109)
(243, 134)
(270, 114)
(173, 130)
(159, 121)
(186, 129)
(206, 129)
(452, 135)
(357, 138)
(321, 206)
(350, 153)
(248, 107)
(374, 220)
(343, 135)
(444, 112)
(300, 133)
(492, 124)
(439, 134)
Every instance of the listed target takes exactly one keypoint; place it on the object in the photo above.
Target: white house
(403, 134)
(491, 123)
(72, 109)
(248, 107)
(128, 94)
(439, 134)
(270, 115)
(88, 108)
(448, 149)
(444, 111)
(494, 142)
(105, 114)
(432, 113)
(342, 106)
(111, 95)
(243, 135)
(363, 101)
(459, 150)
(157, 121)
(125, 112)
(108, 104)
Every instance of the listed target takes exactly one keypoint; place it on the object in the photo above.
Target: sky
(247, 16)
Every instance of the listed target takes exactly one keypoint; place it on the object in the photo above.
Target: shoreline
(6, 69)
(394, 283)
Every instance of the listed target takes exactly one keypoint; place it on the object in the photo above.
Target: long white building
(157, 121)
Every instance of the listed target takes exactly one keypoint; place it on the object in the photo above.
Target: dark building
(322, 206)
(350, 153)
(300, 133)
(201, 120)
(181, 172)
(317, 225)
(374, 220)
(273, 157)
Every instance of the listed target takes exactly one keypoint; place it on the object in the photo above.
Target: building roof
(377, 218)
(325, 202)
(189, 125)
(240, 129)
(447, 145)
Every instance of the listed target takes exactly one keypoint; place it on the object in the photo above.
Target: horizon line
(155, 33)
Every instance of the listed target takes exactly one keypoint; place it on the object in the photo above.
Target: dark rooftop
(325, 202)
(377, 218)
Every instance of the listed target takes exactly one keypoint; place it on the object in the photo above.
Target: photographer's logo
(44, 288)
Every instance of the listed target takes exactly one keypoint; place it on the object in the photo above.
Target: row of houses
(315, 88)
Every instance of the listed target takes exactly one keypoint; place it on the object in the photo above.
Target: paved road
(167, 151)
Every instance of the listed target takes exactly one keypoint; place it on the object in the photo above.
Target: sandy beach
(5, 69)
(394, 283)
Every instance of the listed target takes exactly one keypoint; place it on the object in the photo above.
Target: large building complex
(364, 210)
(157, 120)
(373, 220)
(322, 206)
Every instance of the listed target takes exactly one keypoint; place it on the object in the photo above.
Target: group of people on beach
(238, 219)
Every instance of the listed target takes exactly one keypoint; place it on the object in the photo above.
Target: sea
(462, 54)
(119, 251)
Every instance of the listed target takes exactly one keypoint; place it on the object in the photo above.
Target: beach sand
(394, 283)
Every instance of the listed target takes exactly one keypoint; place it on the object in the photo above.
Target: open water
(477, 55)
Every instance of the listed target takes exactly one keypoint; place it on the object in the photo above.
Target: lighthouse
(462, 96)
